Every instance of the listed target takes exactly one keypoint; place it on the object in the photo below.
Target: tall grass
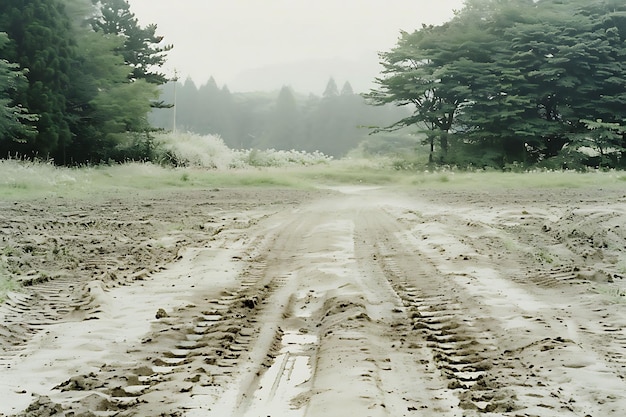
(511, 180)
(194, 161)
(7, 283)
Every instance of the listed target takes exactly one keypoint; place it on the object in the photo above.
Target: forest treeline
(77, 80)
(504, 83)
(333, 123)
(516, 83)
(80, 82)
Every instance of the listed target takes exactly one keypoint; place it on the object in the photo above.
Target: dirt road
(353, 301)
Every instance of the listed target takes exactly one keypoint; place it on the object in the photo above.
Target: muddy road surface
(351, 301)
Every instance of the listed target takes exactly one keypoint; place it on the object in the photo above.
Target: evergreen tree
(331, 89)
(77, 82)
(226, 118)
(42, 41)
(109, 110)
(162, 117)
(188, 108)
(207, 108)
(15, 121)
(347, 90)
(142, 48)
(265, 120)
(284, 128)
(332, 123)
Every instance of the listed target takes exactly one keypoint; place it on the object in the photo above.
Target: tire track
(356, 303)
(518, 379)
(27, 313)
(337, 306)
(54, 255)
(210, 341)
(410, 380)
(461, 350)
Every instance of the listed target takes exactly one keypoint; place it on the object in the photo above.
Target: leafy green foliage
(510, 81)
(88, 93)
(15, 121)
(142, 49)
(41, 40)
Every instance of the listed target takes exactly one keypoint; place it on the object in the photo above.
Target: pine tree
(284, 123)
(16, 124)
(347, 90)
(142, 48)
(331, 89)
(42, 41)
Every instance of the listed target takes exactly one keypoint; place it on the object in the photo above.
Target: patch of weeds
(60, 251)
(617, 293)
(8, 251)
(7, 283)
(184, 177)
(509, 244)
(95, 224)
(543, 256)
(404, 165)
(18, 185)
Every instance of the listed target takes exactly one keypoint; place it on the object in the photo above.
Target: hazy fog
(262, 45)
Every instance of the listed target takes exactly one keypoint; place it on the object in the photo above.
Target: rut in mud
(359, 302)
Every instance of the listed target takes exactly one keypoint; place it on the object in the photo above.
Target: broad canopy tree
(511, 81)
(412, 76)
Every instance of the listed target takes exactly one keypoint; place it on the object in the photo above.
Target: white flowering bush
(190, 149)
(278, 158)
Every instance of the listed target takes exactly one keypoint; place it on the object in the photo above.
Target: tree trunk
(432, 150)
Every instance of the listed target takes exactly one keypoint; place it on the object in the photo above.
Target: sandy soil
(351, 301)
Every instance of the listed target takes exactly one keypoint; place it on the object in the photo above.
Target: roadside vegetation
(190, 161)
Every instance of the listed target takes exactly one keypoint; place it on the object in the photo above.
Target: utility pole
(175, 104)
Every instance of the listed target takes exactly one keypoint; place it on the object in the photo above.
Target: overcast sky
(263, 44)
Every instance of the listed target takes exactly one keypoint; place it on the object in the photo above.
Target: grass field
(24, 180)
(207, 162)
